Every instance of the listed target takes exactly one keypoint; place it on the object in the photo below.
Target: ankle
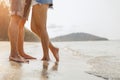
(14, 55)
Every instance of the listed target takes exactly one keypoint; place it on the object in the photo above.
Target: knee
(15, 19)
(33, 28)
(21, 23)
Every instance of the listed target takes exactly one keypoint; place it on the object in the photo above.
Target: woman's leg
(38, 26)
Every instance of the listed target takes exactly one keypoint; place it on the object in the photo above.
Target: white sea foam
(103, 56)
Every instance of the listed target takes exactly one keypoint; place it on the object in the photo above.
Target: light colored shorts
(49, 2)
(20, 8)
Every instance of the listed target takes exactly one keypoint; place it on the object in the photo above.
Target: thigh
(27, 8)
(39, 15)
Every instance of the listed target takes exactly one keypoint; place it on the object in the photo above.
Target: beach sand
(72, 66)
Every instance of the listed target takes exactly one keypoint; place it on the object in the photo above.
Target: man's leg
(13, 31)
(21, 40)
(21, 30)
(41, 23)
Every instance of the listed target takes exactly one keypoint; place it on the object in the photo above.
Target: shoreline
(73, 64)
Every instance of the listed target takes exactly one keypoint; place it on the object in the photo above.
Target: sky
(98, 17)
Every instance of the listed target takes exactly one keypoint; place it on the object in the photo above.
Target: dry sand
(70, 67)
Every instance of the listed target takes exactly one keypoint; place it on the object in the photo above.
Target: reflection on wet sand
(55, 66)
(45, 74)
(36, 70)
(14, 72)
(94, 58)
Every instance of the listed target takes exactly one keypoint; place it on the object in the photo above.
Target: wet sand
(72, 66)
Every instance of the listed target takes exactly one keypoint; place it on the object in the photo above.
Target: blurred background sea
(103, 56)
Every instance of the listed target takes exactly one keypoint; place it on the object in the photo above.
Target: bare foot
(24, 55)
(55, 53)
(18, 59)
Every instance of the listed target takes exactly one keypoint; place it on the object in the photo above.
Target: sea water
(103, 56)
(81, 60)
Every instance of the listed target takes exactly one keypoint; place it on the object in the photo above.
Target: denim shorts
(50, 2)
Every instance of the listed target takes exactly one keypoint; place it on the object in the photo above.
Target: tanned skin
(38, 26)
(16, 36)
